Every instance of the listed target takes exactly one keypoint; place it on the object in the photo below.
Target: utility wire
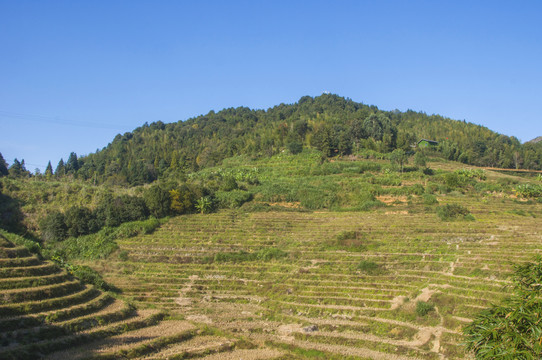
(56, 120)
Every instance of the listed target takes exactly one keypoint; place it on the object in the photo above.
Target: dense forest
(334, 125)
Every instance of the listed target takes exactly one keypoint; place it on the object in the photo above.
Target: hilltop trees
(72, 165)
(60, 168)
(334, 125)
(3, 166)
(18, 169)
(49, 169)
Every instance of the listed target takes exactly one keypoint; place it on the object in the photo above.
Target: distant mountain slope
(330, 123)
(535, 140)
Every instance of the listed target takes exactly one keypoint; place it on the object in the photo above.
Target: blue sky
(73, 74)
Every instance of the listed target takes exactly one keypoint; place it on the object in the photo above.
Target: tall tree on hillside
(3, 166)
(49, 169)
(16, 169)
(72, 165)
(399, 158)
(60, 168)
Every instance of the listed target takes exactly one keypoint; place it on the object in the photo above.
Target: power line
(56, 120)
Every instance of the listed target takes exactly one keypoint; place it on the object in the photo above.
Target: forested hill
(330, 123)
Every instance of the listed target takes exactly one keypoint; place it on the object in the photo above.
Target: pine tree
(3, 166)
(49, 169)
(73, 164)
(60, 168)
(15, 170)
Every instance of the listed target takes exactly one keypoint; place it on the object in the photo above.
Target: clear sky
(73, 74)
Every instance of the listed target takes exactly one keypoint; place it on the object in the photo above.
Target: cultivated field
(388, 273)
(393, 283)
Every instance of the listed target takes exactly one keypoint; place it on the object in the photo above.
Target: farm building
(424, 143)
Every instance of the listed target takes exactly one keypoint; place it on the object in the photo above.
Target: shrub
(529, 190)
(53, 227)
(512, 329)
(232, 199)
(228, 183)
(181, 200)
(240, 256)
(369, 267)
(453, 211)
(115, 211)
(423, 308)
(428, 171)
(429, 199)
(346, 240)
(158, 201)
(295, 147)
(420, 159)
(80, 221)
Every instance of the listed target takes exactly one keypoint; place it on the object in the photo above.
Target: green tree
(53, 227)
(300, 128)
(3, 166)
(180, 200)
(399, 157)
(49, 170)
(72, 165)
(512, 330)
(158, 201)
(80, 221)
(18, 169)
(60, 168)
(420, 159)
(295, 147)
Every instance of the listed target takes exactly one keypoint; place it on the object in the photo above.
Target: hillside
(535, 140)
(392, 278)
(305, 231)
(334, 125)
(297, 256)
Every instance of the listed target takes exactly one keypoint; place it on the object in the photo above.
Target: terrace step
(41, 348)
(19, 262)
(32, 320)
(14, 252)
(33, 281)
(30, 307)
(40, 292)
(139, 342)
(115, 312)
(45, 268)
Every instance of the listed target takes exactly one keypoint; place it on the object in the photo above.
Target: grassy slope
(356, 275)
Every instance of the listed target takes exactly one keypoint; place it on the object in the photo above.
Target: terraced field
(46, 313)
(395, 283)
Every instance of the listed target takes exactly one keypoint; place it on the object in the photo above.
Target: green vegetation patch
(454, 211)
(241, 256)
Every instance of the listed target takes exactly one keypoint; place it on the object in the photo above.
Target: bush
(53, 227)
(429, 199)
(420, 159)
(228, 183)
(158, 201)
(513, 329)
(295, 147)
(80, 221)
(232, 199)
(453, 211)
(241, 256)
(83, 273)
(347, 240)
(369, 267)
(529, 191)
(115, 211)
(423, 308)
